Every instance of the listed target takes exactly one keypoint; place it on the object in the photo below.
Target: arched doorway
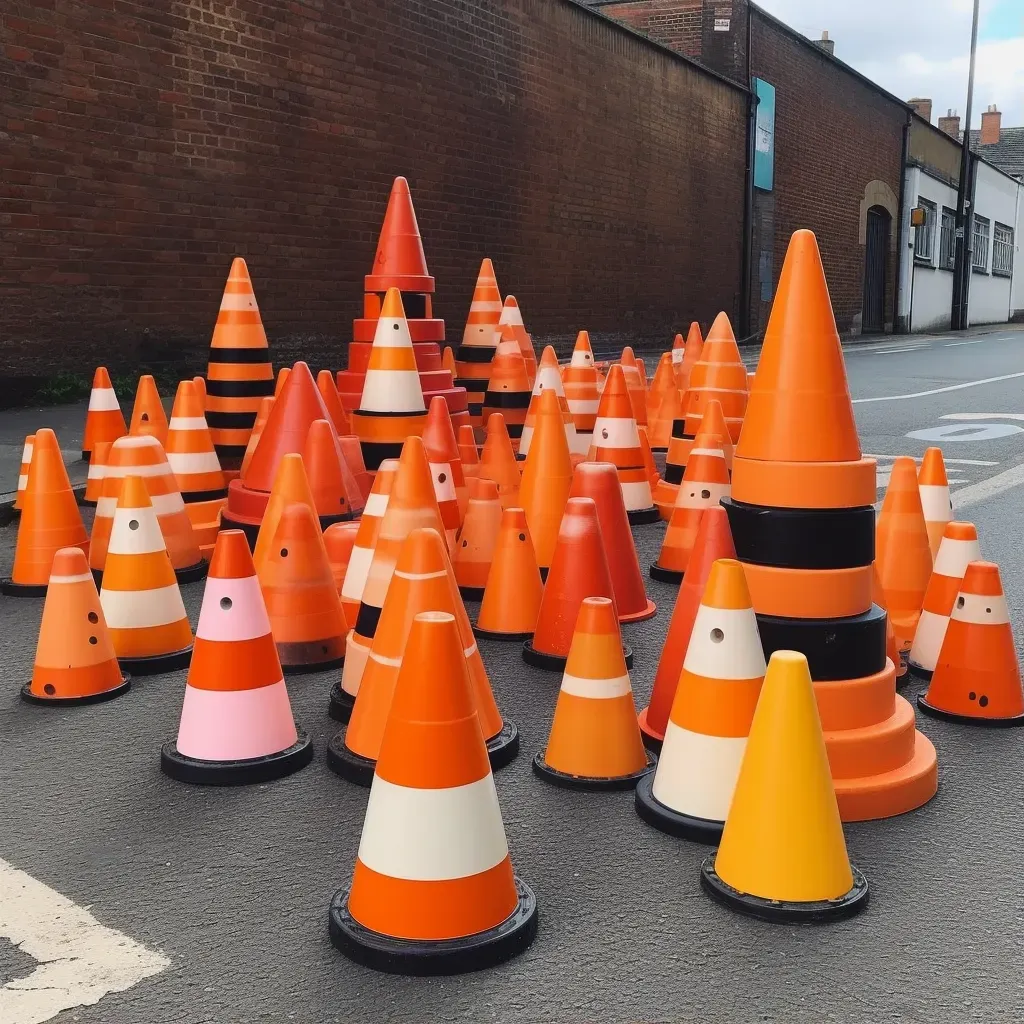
(876, 250)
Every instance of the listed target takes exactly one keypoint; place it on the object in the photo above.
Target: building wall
(1017, 290)
(995, 198)
(675, 23)
(146, 144)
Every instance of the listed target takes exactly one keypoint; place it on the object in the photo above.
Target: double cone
(513, 592)
(103, 419)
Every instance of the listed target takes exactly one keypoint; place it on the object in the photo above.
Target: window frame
(949, 263)
(976, 267)
(1008, 245)
(931, 212)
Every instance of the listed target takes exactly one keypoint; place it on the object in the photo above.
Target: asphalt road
(232, 886)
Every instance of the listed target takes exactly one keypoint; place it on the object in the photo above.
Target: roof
(1007, 154)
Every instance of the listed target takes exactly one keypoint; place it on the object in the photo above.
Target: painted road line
(939, 391)
(983, 416)
(948, 462)
(990, 488)
(958, 344)
(891, 351)
(80, 960)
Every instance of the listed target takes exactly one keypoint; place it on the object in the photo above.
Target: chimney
(923, 108)
(828, 45)
(950, 124)
(991, 124)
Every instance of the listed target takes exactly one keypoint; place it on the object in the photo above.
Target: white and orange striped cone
(689, 794)
(140, 596)
(26, 461)
(339, 540)
(958, 549)
(677, 352)
(433, 890)
(549, 379)
(511, 326)
(935, 501)
(582, 385)
(445, 467)
(617, 441)
(104, 420)
(236, 722)
(479, 340)
(664, 406)
(97, 471)
(595, 741)
(634, 385)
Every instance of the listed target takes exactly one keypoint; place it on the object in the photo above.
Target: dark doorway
(876, 252)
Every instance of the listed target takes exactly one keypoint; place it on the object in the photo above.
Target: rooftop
(1007, 154)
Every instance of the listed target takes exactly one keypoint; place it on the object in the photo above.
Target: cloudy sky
(921, 47)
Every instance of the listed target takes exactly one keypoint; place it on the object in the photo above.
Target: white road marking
(983, 416)
(890, 351)
(939, 391)
(957, 344)
(80, 960)
(990, 488)
(966, 432)
(948, 462)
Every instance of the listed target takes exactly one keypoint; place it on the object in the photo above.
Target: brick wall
(675, 23)
(143, 145)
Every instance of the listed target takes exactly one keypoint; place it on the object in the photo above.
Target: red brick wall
(675, 23)
(144, 144)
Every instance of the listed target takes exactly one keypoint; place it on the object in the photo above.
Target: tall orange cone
(691, 355)
(581, 382)
(479, 340)
(236, 722)
(616, 441)
(262, 415)
(498, 461)
(512, 595)
(508, 390)
(468, 452)
(445, 467)
(336, 494)
(977, 678)
(148, 416)
(478, 539)
(935, 502)
(140, 597)
(75, 661)
(97, 470)
(103, 420)
(339, 541)
(433, 890)
(549, 379)
(511, 327)
(718, 374)
(707, 731)
(26, 461)
(664, 405)
(192, 458)
(332, 403)
(594, 741)
(714, 541)
(50, 520)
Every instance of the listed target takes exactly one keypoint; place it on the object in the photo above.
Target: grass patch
(62, 388)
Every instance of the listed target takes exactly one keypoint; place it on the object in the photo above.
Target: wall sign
(764, 136)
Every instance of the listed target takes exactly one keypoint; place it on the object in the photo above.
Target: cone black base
(311, 656)
(432, 958)
(236, 773)
(952, 716)
(916, 671)
(158, 663)
(656, 572)
(86, 456)
(68, 702)
(12, 589)
(556, 662)
(472, 593)
(674, 823)
(503, 747)
(486, 634)
(642, 516)
(564, 781)
(340, 707)
(780, 911)
(191, 573)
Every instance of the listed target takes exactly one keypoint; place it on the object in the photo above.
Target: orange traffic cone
(191, 454)
(290, 487)
(448, 360)
(339, 540)
(508, 390)
(977, 679)
(714, 541)
(103, 420)
(892, 650)
(594, 741)
(691, 355)
(718, 374)
(445, 467)
(336, 494)
(581, 382)
(140, 597)
(677, 352)
(75, 661)
(477, 542)
(26, 461)
(148, 416)
(332, 402)
(200, 385)
(282, 378)
(97, 471)
(664, 406)
(579, 569)
(714, 705)
(262, 415)
(648, 458)
(479, 340)
(468, 453)
(512, 595)
(549, 379)
(50, 520)
(352, 455)
(616, 441)
(433, 890)
(301, 599)
(511, 328)
(236, 722)
(634, 385)
(498, 461)
(598, 480)
(934, 488)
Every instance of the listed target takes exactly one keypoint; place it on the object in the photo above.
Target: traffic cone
(148, 416)
(783, 854)
(513, 592)
(140, 597)
(705, 483)
(508, 390)
(581, 382)
(977, 679)
(579, 569)
(677, 352)
(714, 541)
(634, 386)
(262, 415)
(301, 599)
(143, 456)
(291, 487)
(642, 369)
(50, 520)
(448, 360)
(339, 541)
(549, 379)
(901, 550)
(97, 470)
(239, 375)
(479, 340)
(332, 403)
(718, 374)
(511, 327)
(547, 478)
(445, 467)
(935, 502)
(664, 406)
(648, 458)
(498, 461)
(236, 722)
(75, 661)
(478, 539)
(599, 481)
(391, 407)
(352, 455)
(616, 441)
(468, 453)
(282, 378)
(200, 386)
(26, 461)
(958, 549)
(594, 741)
(336, 494)
(690, 793)
(892, 650)
(103, 420)
(433, 893)
(691, 356)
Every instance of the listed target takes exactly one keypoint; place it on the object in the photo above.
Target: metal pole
(961, 276)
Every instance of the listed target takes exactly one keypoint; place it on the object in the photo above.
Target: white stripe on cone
(142, 539)
(186, 463)
(931, 631)
(80, 578)
(637, 495)
(142, 609)
(697, 774)
(935, 502)
(187, 423)
(981, 609)
(694, 494)
(103, 400)
(725, 644)
(238, 301)
(954, 556)
(356, 573)
(376, 504)
(596, 689)
(616, 432)
(395, 391)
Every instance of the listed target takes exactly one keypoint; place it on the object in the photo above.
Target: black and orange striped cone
(508, 390)
(479, 340)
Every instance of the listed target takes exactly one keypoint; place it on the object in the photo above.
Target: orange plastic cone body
(582, 385)
(445, 467)
(200, 385)
(718, 374)
(26, 461)
(511, 327)
(599, 481)
(935, 502)
(332, 403)
(366, 538)
(97, 470)
(498, 461)
(448, 360)
(677, 352)
(339, 541)
(512, 595)
(664, 406)
(262, 415)
(508, 390)
(691, 356)
(478, 539)
(479, 340)
(892, 648)
(352, 453)
(549, 379)
(290, 487)
(75, 661)
(282, 379)
(635, 386)
(103, 420)
(336, 494)
(399, 261)
(148, 416)
(190, 450)
(648, 457)
(468, 453)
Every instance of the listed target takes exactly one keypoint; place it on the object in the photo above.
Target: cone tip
(481, 489)
(101, 378)
(393, 308)
(231, 559)
(727, 586)
(133, 493)
(69, 562)
(960, 531)
(597, 615)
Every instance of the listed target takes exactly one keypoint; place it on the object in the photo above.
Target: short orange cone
(511, 327)
(433, 890)
(290, 487)
(549, 379)
(512, 595)
(478, 539)
(26, 461)
(934, 488)
(468, 452)
(664, 406)
(479, 340)
(140, 597)
(191, 454)
(336, 494)
(445, 467)
(594, 741)
(75, 661)
(498, 461)
(103, 420)
(50, 520)
(667, 487)
(148, 416)
(581, 382)
(339, 540)
(977, 679)
(262, 415)
(707, 731)
(97, 471)
(508, 390)
(332, 402)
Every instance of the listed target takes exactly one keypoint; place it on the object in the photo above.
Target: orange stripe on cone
(508, 390)
(468, 452)
(691, 355)
(582, 385)
(511, 327)
(103, 420)
(339, 540)
(635, 385)
(512, 595)
(475, 549)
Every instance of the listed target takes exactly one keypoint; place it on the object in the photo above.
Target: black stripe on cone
(239, 356)
(239, 388)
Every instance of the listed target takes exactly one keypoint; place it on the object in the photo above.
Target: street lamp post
(959, 318)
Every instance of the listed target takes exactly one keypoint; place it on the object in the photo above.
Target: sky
(922, 47)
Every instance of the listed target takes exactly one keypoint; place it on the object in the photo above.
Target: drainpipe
(901, 236)
(748, 200)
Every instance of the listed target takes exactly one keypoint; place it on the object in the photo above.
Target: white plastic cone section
(97, 472)
(617, 432)
(582, 360)
(936, 504)
(981, 609)
(695, 494)
(356, 654)
(395, 391)
(636, 495)
(361, 557)
(103, 400)
(26, 458)
(549, 379)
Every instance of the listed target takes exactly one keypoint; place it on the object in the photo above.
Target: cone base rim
(503, 746)
(652, 741)
(917, 671)
(12, 589)
(643, 516)
(341, 704)
(68, 702)
(420, 957)
(192, 573)
(556, 662)
(647, 613)
(347, 764)
(674, 823)
(951, 716)
(87, 503)
(783, 911)
(156, 664)
(586, 782)
(236, 773)
(663, 575)
(311, 667)
(487, 634)
(472, 593)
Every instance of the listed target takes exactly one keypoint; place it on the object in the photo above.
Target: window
(947, 240)
(982, 230)
(1002, 250)
(924, 235)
